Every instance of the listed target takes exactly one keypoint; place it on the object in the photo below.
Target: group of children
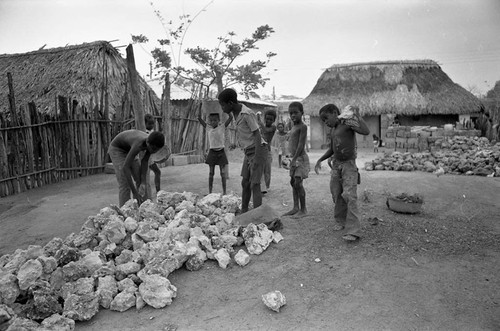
(255, 136)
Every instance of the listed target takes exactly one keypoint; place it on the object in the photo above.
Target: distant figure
(254, 147)
(376, 142)
(267, 130)
(281, 140)
(216, 153)
(124, 150)
(344, 176)
(299, 165)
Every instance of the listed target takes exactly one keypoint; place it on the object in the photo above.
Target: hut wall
(428, 120)
(319, 133)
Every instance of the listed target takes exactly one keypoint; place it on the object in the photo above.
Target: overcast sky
(463, 36)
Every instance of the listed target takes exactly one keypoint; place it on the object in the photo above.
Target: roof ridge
(388, 62)
(60, 49)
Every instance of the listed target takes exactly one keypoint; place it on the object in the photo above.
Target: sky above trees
(310, 35)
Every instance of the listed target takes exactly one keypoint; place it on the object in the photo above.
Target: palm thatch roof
(86, 73)
(394, 87)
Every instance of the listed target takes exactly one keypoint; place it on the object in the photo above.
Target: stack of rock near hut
(489, 121)
(93, 74)
(416, 93)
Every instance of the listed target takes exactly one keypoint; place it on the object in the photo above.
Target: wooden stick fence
(38, 149)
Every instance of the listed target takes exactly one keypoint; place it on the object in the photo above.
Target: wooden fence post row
(37, 149)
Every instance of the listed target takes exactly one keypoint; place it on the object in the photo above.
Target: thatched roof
(395, 87)
(80, 72)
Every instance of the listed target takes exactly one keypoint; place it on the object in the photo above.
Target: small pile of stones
(122, 258)
(458, 155)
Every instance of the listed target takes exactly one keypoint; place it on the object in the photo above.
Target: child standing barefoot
(267, 131)
(344, 175)
(216, 153)
(281, 138)
(299, 165)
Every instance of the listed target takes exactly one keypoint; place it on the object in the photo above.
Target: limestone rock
(139, 301)
(127, 285)
(123, 270)
(17, 259)
(7, 316)
(274, 300)
(145, 232)
(66, 254)
(9, 288)
(106, 269)
(22, 324)
(242, 258)
(57, 322)
(107, 289)
(157, 291)
(81, 286)
(130, 224)
(277, 237)
(93, 261)
(45, 301)
(74, 271)
(123, 301)
(222, 256)
(34, 251)
(257, 238)
(81, 307)
(29, 273)
(114, 231)
(49, 264)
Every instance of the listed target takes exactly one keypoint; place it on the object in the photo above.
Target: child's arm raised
(362, 128)
(202, 122)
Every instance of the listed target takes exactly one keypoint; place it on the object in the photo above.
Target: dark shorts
(253, 164)
(215, 157)
(301, 167)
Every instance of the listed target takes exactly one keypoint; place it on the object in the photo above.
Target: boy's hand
(317, 167)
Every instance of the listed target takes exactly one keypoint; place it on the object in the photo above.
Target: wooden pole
(134, 87)
(167, 113)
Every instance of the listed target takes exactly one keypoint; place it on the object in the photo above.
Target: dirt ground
(438, 270)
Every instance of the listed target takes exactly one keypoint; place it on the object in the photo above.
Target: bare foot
(300, 214)
(291, 212)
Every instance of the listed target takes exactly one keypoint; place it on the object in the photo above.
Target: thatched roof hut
(94, 74)
(394, 87)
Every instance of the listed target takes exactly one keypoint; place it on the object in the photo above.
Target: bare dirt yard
(438, 270)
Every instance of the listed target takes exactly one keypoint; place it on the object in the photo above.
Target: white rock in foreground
(274, 300)
(242, 258)
(157, 291)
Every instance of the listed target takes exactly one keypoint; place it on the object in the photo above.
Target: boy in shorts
(254, 147)
(216, 153)
(299, 165)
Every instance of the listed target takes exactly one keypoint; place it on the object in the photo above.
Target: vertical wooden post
(15, 138)
(136, 93)
(166, 112)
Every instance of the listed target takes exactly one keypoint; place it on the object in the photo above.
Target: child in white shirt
(216, 154)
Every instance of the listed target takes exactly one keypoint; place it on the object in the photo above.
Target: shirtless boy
(124, 150)
(299, 165)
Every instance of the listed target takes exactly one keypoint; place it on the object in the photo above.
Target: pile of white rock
(122, 258)
(457, 155)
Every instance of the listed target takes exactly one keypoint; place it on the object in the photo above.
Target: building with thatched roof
(417, 93)
(94, 74)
